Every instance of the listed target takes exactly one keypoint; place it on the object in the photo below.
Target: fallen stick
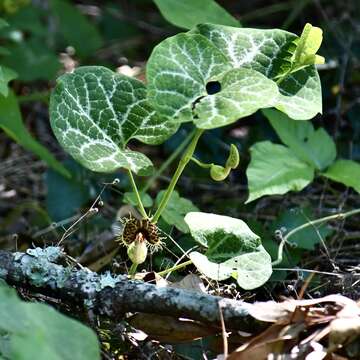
(48, 271)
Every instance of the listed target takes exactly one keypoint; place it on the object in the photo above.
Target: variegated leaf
(94, 113)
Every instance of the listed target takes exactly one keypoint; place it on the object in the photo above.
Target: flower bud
(137, 251)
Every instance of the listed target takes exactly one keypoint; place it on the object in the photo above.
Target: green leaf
(307, 46)
(274, 169)
(346, 172)
(242, 63)
(256, 49)
(175, 210)
(64, 196)
(77, 30)
(269, 51)
(251, 269)
(31, 60)
(95, 112)
(130, 198)
(178, 71)
(300, 94)
(11, 122)
(306, 238)
(315, 147)
(6, 75)
(243, 92)
(188, 13)
(36, 331)
(224, 236)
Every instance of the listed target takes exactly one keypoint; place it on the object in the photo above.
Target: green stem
(168, 161)
(174, 268)
(182, 164)
(201, 164)
(132, 270)
(138, 198)
(285, 239)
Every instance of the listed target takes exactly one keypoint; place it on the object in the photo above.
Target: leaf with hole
(270, 52)
(95, 112)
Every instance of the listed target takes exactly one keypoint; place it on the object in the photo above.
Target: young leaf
(224, 236)
(94, 112)
(188, 13)
(77, 30)
(11, 122)
(233, 159)
(315, 147)
(34, 326)
(176, 209)
(307, 47)
(274, 169)
(346, 172)
(251, 269)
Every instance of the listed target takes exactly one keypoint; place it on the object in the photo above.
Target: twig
(115, 296)
(285, 239)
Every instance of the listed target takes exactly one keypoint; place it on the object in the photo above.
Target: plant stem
(168, 161)
(284, 240)
(201, 164)
(174, 268)
(138, 198)
(182, 164)
(132, 270)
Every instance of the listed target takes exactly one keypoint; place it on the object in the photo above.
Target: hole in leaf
(213, 87)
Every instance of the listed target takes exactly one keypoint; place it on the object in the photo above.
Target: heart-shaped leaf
(270, 52)
(224, 236)
(315, 147)
(94, 113)
(215, 75)
(251, 269)
(275, 169)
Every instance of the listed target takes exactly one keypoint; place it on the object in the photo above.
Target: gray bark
(48, 271)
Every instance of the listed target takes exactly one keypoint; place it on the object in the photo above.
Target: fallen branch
(47, 271)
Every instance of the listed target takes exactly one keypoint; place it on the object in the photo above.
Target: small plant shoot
(210, 76)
